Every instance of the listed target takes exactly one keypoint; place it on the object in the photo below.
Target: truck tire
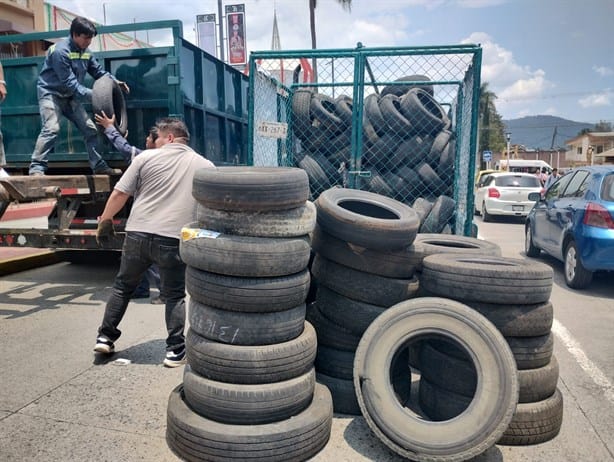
(365, 287)
(487, 279)
(235, 328)
(366, 219)
(294, 222)
(251, 188)
(108, 97)
(401, 429)
(518, 320)
(193, 437)
(251, 404)
(252, 364)
(247, 294)
(390, 263)
(535, 423)
(246, 256)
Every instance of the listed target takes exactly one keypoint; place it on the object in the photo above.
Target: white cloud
(479, 3)
(603, 71)
(605, 98)
(550, 111)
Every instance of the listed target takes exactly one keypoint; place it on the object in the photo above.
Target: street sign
(487, 156)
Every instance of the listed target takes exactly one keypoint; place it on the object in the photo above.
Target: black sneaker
(104, 345)
(175, 358)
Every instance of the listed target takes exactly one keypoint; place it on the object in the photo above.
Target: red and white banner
(235, 30)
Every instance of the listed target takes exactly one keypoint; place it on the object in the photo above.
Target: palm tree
(490, 123)
(345, 4)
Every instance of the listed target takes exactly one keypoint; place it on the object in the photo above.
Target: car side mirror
(535, 196)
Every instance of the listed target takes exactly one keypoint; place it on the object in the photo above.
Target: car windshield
(517, 181)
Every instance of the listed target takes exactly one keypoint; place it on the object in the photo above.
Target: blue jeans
(50, 108)
(140, 250)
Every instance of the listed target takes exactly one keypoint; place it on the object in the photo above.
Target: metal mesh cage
(400, 122)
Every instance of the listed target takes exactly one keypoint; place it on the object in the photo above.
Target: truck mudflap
(73, 221)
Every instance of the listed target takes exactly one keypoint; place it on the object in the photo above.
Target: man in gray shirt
(160, 180)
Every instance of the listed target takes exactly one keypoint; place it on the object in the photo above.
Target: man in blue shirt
(61, 92)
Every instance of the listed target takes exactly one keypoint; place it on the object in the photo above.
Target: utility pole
(221, 31)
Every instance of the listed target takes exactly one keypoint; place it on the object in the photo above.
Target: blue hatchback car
(574, 222)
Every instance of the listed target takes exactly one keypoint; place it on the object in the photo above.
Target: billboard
(235, 30)
(205, 33)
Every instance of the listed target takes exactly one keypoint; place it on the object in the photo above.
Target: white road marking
(589, 367)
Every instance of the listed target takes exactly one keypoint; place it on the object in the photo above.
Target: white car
(506, 193)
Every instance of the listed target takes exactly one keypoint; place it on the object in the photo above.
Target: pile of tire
(249, 390)
(513, 294)
(408, 145)
(361, 267)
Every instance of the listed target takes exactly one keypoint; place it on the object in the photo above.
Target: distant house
(591, 148)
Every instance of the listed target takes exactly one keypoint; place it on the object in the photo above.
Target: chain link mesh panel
(397, 122)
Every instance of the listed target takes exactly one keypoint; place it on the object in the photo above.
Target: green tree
(345, 4)
(490, 124)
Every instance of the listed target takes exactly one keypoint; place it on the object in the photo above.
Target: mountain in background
(536, 131)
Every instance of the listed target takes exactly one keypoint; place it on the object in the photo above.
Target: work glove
(124, 86)
(105, 231)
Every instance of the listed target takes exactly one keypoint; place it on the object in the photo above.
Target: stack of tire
(362, 267)
(249, 389)
(407, 143)
(514, 295)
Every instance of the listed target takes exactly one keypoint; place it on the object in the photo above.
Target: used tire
(243, 328)
(440, 215)
(108, 97)
(366, 219)
(294, 222)
(251, 404)
(400, 90)
(193, 437)
(247, 294)
(252, 364)
(424, 113)
(251, 188)
(404, 431)
(329, 333)
(518, 320)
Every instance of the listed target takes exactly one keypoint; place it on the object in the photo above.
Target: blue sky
(551, 57)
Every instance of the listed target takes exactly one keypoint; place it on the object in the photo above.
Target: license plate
(518, 208)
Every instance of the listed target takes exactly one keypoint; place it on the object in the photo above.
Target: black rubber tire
(247, 294)
(445, 167)
(530, 249)
(342, 392)
(330, 334)
(404, 431)
(335, 363)
(432, 244)
(390, 107)
(107, 96)
(366, 219)
(576, 275)
(487, 279)
(518, 320)
(317, 177)
(252, 364)
(422, 207)
(389, 263)
(433, 183)
(361, 286)
(301, 122)
(193, 437)
(243, 328)
(535, 423)
(252, 404)
(370, 136)
(424, 113)
(531, 352)
(413, 150)
(486, 217)
(246, 256)
(353, 315)
(539, 383)
(441, 404)
(441, 214)
(400, 90)
(374, 114)
(414, 186)
(251, 188)
(343, 109)
(294, 222)
(439, 144)
(322, 109)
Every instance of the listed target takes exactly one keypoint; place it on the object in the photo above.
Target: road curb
(23, 263)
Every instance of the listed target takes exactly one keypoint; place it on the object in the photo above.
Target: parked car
(505, 193)
(574, 222)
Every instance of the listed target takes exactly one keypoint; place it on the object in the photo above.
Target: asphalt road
(58, 404)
